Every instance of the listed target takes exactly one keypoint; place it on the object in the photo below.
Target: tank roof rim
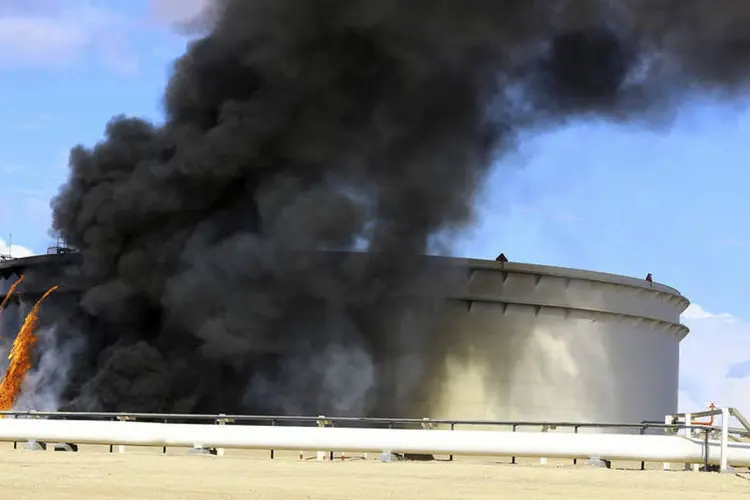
(490, 265)
(32, 259)
(570, 272)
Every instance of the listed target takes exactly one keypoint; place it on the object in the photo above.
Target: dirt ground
(93, 473)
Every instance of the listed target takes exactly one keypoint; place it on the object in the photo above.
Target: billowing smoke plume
(45, 385)
(298, 127)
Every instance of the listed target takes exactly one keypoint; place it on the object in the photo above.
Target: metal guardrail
(732, 412)
(314, 420)
(391, 423)
(172, 417)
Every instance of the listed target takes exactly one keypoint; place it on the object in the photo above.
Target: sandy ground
(94, 473)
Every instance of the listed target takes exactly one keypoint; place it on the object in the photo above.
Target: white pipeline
(677, 449)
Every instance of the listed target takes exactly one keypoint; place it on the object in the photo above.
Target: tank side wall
(591, 357)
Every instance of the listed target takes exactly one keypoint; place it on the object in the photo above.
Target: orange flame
(10, 292)
(20, 356)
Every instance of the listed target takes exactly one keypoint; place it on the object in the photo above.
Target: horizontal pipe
(677, 449)
(740, 418)
(701, 414)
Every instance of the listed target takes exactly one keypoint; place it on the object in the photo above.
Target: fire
(20, 356)
(10, 292)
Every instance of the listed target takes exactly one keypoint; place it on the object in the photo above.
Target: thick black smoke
(295, 127)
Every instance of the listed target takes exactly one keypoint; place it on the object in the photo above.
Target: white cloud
(60, 33)
(14, 250)
(714, 361)
(695, 312)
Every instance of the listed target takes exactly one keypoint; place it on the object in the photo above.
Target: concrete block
(600, 462)
(389, 457)
(199, 450)
(66, 447)
(35, 445)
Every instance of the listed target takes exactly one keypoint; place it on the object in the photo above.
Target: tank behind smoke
(512, 342)
(308, 375)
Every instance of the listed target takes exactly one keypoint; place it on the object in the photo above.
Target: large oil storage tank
(521, 342)
(540, 343)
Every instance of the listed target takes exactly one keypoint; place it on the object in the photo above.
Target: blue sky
(618, 198)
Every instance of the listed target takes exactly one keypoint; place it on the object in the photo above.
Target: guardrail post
(706, 447)
(642, 432)
(273, 424)
(543, 460)
(33, 444)
(575, 431)
(667, 421)
(222, 420)
(322, 422)
(453, 427)
(427, 425)
(122, 418)
(724, 459)
(164, 448)
(331, 452)
(546, 428)
(513, 459)
(688, 432)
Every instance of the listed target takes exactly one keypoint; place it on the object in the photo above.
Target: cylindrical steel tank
(542, 343)
(515, 342)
